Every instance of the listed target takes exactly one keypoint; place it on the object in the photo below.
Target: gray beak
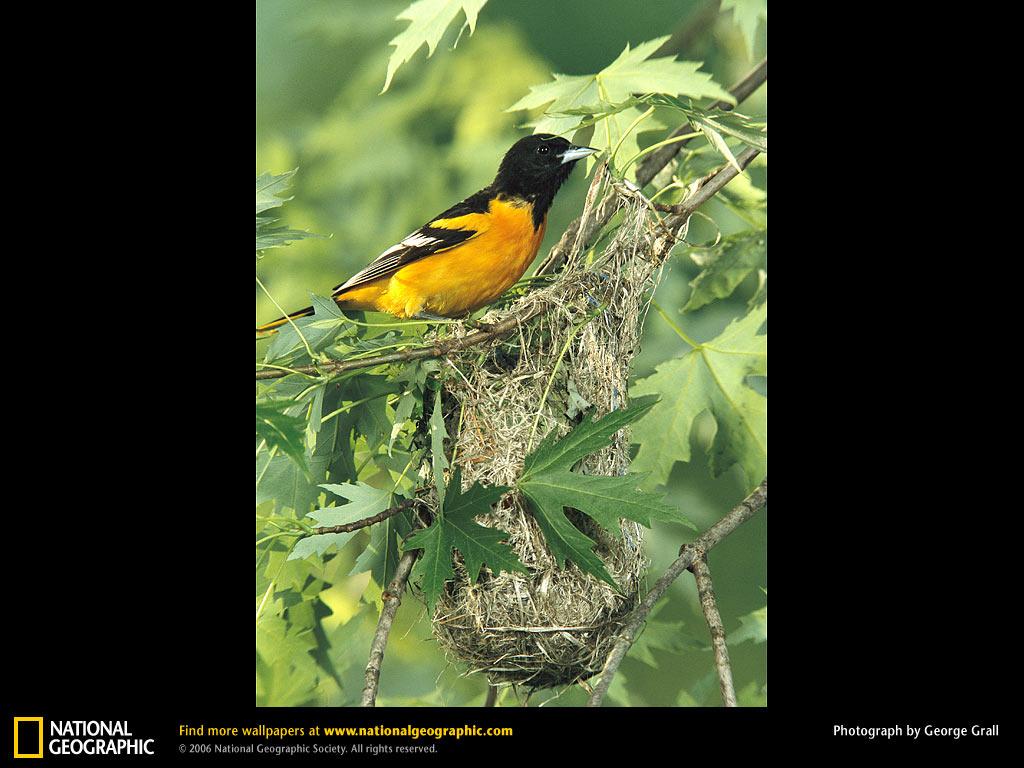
(576, 153)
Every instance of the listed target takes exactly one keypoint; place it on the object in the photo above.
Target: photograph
(511, 354)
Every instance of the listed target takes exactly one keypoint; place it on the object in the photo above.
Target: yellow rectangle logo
(18, 746)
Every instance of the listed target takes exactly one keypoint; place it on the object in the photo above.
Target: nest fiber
(553, 626)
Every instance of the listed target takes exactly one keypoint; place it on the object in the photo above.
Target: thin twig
(392, 598)
(691, 30)
(706, 591)
(708, 186)
(438, 349)
(492, 696)
(366, 522)
(742, 512)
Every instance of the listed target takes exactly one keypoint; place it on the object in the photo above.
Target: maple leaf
(281, 431)
(726, 266)
(456, 529)
(569, 97)
(429, 21)
(746, 14)
(550, 486)
(711, 376)
(363, 501)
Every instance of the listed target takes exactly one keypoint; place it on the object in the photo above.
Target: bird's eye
(543, 149)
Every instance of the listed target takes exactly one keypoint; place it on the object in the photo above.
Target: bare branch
(492, 696)
(706, 591)
(392, 599)
(742, 512)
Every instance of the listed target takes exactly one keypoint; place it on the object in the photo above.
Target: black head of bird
(536, 166)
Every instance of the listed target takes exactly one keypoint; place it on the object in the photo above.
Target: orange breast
(464, 278)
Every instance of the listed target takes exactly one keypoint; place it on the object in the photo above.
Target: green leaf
(549, 486)
(437, 435)
(477, 543)
(754, 626)
(710, 377)
(434, 566)
(716, 140)
(286, 674)
(286, 483)
(664, 635)
(371, 417)
(381, 554)
(605, 499)
(269, 189)
(429, 21)
(564, 539)
(320, 330)
(726, 266)
(456, 529)
(281, 431)
(585, 438)
(746, 14)
(761, 294)
(617, 132)
(752, 695)
(732, 123)
(363, 501)
(633, 72)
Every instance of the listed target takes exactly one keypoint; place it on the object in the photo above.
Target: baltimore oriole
(469, 255)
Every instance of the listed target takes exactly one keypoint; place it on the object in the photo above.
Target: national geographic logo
(28, 737)
(77, 737)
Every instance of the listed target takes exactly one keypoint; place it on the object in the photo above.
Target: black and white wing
(455, 226)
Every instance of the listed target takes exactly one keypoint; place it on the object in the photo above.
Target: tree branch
(710, 185)
(742, 512)
(438, 349)
(392, 598)
(706, 591)
(366, 522)
(492, 696)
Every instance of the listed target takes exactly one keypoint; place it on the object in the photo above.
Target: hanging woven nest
(555, 625)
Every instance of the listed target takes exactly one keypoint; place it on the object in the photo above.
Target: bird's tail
(268, 329)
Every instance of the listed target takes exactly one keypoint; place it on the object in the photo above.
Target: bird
(469, 255)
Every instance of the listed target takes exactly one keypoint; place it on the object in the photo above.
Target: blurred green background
(374, 167)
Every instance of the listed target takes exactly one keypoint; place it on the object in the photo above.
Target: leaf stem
(679, 331)
(270, 459)
(647, 150)
(309, 349)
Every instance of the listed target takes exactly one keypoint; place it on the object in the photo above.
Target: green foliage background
(373, 167)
